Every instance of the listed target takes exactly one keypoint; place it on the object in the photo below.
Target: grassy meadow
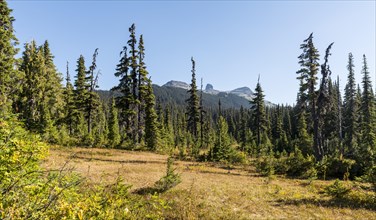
(214, 191)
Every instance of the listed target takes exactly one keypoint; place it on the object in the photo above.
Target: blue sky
(232, 41)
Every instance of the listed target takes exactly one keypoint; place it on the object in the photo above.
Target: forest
(328, 134)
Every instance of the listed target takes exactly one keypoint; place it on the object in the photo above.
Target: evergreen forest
(327, 134)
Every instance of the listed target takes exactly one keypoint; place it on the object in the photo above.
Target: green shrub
(265, 165)
(370, 177)
(337, 190)
(300, 166)
(294, 165)
(29, 192)
(170, 180)
(280, 165)
(24, 190)
(237, 157)
(335, 166)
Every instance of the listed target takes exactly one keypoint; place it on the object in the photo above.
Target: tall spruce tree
(69, 103)
(350, 111)
(368, 119)
(8, 40)
(52, 91)
(32, 94)
(124, 87)
(193, 115)
(81, 84)
(80, 95)
(91, 103)
(133, 65)
(308, 60)
(323, 103)
(41, 99)
(151, 123)
(258, 113)
(129, 71)
(142, 89)
(340, 116)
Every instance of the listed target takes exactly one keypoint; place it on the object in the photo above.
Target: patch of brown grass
(211, 191)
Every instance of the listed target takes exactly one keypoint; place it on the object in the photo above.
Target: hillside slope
(167, 95)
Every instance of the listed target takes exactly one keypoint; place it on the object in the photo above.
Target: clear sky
(232, 41)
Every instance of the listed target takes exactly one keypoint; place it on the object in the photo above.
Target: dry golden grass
(209, 191)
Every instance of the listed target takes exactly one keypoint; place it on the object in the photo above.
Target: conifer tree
(340, 116)
(69, 103)
(52, 91)
(243, 128)
(287, 123)
(32, 95)
(113, 125)
(202, 112)
(8, 75)
(258, 113)
(222, 146)
(81, 85)
(358, 101)
(193, 115)
(130, 71)
(80, 95)
(99, 126)
(133, 65)
(124, 87)
(91, 103)
(142, 89)
(151, 123)
(368, 118)
(41, 100)
(308, 60)
(278, 133)
(350, 110)
(323, 103)
(330, 122)
(304, 139)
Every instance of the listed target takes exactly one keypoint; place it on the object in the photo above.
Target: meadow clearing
(216, 191)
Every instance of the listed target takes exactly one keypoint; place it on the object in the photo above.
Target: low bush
(265, 165)
(293, 165)
(170, 180)
(337, 190)
(30, 192)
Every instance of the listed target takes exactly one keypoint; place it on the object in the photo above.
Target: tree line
(322, 126)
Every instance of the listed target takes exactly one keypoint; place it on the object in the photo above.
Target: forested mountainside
(168, 95)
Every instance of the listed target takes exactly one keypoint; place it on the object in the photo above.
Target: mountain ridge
(244, 91)
(175, 93)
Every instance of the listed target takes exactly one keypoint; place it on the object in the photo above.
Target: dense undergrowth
(30, 192)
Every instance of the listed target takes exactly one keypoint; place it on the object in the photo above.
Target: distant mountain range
(175, 93)
(244, 92)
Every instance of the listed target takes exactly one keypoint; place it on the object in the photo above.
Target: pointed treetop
(68, 76)
(310, 37)
(132, 28)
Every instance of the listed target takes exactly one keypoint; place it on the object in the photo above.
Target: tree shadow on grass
(219, 173)
(118, 161)
(331, 203)
(148, 190)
